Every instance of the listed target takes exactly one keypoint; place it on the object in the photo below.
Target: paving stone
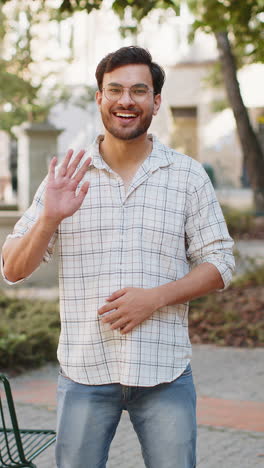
(227, 373)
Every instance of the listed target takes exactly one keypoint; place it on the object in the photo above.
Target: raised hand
(61, 199)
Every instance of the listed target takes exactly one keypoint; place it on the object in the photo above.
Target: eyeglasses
(138, 93)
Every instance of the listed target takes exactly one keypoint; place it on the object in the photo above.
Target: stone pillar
(37, 144)
(5, 177)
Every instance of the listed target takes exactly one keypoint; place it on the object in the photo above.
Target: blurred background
(213, 100)
(212, 110)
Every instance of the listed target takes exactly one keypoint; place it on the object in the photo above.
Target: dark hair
(126, 56)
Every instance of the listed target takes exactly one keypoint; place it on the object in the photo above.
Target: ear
(157, 103)
(98, 97)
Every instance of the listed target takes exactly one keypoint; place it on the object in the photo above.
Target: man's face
(127, 118)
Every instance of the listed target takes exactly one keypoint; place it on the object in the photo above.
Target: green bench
(18, 447)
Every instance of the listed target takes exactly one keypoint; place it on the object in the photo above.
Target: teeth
(119, 114)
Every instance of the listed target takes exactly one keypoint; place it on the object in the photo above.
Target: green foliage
(141, 8)
(240, 19)
(29, 332)
(21, 98)
(238, 222)
(18, 95)
(77, 5)
(253, 277)
(23, 93)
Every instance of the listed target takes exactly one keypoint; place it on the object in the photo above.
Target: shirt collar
(160, 156)
(97, 160)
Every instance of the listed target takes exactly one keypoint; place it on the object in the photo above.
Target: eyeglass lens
(136, 92)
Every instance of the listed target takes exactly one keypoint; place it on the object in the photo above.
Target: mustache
(124, 108)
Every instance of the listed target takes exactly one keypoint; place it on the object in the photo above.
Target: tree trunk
(251, 147)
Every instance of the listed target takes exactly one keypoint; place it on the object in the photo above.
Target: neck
(125, 154)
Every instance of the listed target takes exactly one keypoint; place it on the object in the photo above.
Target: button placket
(122, 241)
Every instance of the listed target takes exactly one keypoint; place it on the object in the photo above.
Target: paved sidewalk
(229, 383)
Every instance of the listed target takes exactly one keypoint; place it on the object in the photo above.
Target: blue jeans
(164, 418)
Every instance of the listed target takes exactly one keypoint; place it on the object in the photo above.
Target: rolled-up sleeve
(207, 235)
(26, 222)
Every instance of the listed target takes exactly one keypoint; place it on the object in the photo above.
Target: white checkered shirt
(166, 223)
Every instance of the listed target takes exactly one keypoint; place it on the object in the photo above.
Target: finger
(127, 328)
(81, 173)
(122, 323)
(82, 194)
(65, 163)
(83, 190)
(107, 307)
(51, 172)
(116, 295)
(72, 167)
(111, 317)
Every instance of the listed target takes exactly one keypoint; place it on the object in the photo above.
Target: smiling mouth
(125, 115)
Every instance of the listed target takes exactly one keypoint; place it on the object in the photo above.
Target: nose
(125, 98)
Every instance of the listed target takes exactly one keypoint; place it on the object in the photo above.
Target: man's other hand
(128, 307)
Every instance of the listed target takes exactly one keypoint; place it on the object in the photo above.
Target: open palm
(61, 199)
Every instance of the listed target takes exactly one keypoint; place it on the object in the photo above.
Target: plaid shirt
(167, 222)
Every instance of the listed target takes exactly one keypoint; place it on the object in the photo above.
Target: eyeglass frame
(142, 85)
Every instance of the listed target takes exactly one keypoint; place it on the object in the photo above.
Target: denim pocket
(187, 371)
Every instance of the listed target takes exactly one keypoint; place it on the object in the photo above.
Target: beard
(126, 133)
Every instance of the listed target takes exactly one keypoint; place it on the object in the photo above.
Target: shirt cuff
(226, 274)
(225, 269)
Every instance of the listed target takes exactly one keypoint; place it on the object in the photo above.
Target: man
(140, 233)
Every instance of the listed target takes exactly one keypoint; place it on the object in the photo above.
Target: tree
(236, 25)
(25, 94)
(19, 96)
(237, 28)
(250, 144)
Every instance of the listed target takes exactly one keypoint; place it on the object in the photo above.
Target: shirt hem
(125, 383)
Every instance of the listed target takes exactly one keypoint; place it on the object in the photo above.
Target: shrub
(29, 332)
(238, 222)
(233, 317)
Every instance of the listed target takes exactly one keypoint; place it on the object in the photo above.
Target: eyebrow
(141, 85)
